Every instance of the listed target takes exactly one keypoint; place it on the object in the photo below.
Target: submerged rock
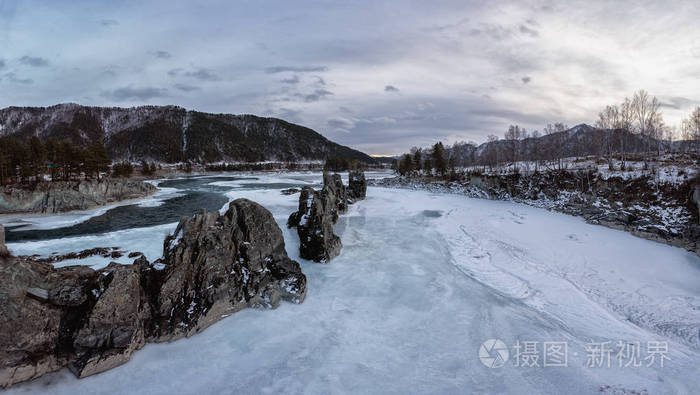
(289, 191)
(318, 212)
(92, 321)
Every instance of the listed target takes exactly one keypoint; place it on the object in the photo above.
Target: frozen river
(422, 281)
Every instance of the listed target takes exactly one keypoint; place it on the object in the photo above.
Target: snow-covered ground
(666, 168)
(423, 279)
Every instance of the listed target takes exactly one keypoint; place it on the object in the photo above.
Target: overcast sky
(380, 76)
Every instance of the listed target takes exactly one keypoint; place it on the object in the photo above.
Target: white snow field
(423, 279)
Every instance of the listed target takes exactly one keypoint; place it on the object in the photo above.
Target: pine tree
(418, 160)
(439, 158)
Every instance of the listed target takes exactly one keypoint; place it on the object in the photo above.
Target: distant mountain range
(173, 134)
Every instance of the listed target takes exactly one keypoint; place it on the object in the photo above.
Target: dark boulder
(357, 185)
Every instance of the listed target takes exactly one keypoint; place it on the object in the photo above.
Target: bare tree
(512, 136)
(536, 154)
(557, 148)
(690, 129)
(608, 121)
(648, 118)
(492, 153)
(626, 120)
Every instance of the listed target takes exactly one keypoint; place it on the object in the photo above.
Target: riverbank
(64, 196)
(665, 212)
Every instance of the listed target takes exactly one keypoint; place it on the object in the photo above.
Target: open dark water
(196, 195)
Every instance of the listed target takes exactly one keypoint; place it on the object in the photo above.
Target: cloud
(299, 69)
(473, 59)
(132, 93)
(161, 54)
(287, 114)
(391, 89)
(12, 77)
(186, 88)
(2, 63)
(34, 61)
(108, 22)
(201, 73)
(317, 95)
(494, 31)
(528, 31)
(340, 123)
(678, 103)
(292, 80)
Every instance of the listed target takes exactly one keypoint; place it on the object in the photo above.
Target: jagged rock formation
(318, 212)
(61, 196)
(357, 185)
(240, 256)
(173, 134)
(92, 321)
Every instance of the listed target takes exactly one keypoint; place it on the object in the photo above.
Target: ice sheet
(423, 279)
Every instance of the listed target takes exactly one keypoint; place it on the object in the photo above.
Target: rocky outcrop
(216, 265)
(314, 223)
(357, 185)
(317, 213)
(61, 196)
(92, 321)
(3, 248)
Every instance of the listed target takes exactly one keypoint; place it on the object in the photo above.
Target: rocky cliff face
(92, 321)
(319, 210)
(173, 134)
(61, 196)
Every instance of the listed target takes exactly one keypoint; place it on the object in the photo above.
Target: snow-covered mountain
(174, 134)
